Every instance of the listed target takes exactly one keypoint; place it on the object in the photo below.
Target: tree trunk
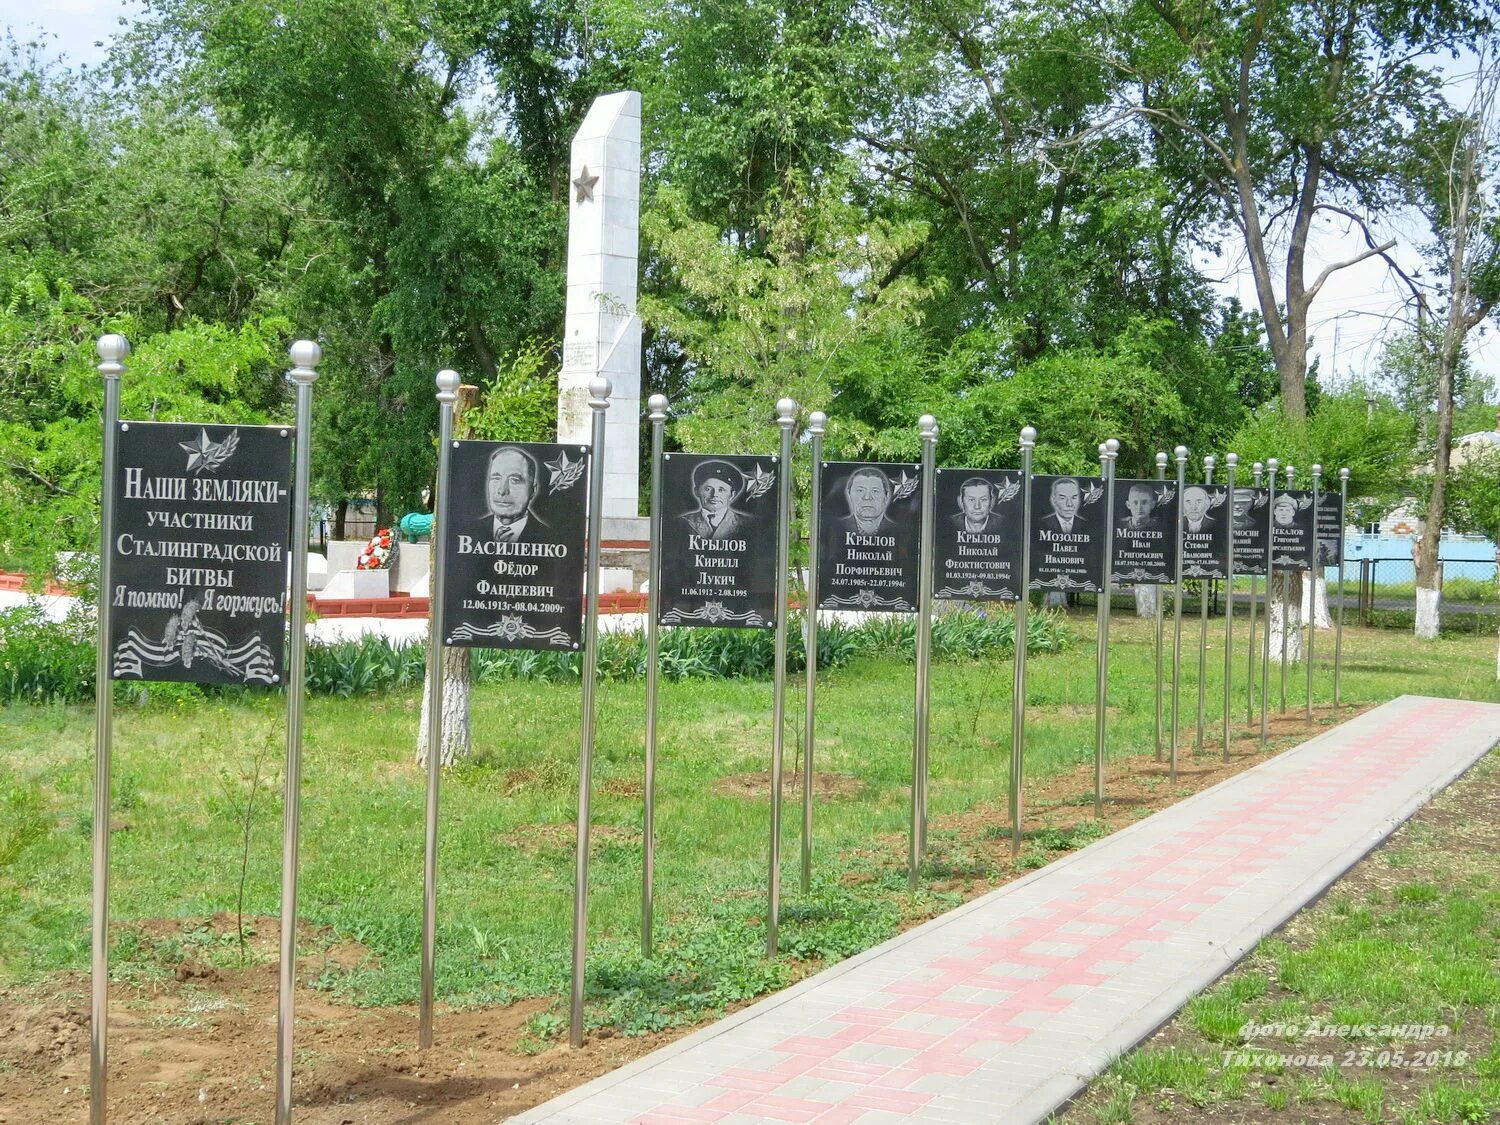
(340, 518)
(1145, 600)
(457, 665)
(1285, 612)
(457, 689)
(1318, 588)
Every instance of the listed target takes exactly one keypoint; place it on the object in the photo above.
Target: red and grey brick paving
(1004, 1008)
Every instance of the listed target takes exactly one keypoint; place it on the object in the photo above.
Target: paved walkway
(1003, 1009)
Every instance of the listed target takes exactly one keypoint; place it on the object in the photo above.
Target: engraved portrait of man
(1195, 515)
(976, 502)
(868, 493)
(510, 488)
(1284, 510)
(716, 486)
(1140, 503)
(1066, 498)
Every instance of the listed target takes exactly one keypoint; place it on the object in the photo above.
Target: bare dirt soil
(200, 1049)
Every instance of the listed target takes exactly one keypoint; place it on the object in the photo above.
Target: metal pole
(1180, 454)
(1265, 646)
(112, 352)
(1250, 651)
(1312, 593)
(1208, 478)
(1286, 606)
(1231, 461)
(599, 390)
(786, 418)
(447, 395)
(657, 405)
(305, 355)
(1338, 629)
(817, 423)
(1023, 607)
(1108, 451)
(928, 428)
(1161, 475)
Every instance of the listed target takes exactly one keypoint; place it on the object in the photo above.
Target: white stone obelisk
(602, 333)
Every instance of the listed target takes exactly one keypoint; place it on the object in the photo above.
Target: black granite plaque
(1205, 531)
(1330, 529)
(977, 535)
(513, 535)
(871, 521)
(1144, 531)
(1249, 525)
(1292, 530)
(718, 541)
(200, 553)
(1068, 533)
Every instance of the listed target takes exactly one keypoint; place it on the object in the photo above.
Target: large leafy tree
(1283, 111)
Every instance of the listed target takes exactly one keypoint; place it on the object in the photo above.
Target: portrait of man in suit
(868, 494)
(716, 486)
(1066, 497)
(510, 488)
(976, 502)
(1140, 502)
(1195, 515)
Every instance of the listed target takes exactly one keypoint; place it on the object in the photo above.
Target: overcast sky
(1351, 317)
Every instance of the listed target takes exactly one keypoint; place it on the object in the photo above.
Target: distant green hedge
(44, 661)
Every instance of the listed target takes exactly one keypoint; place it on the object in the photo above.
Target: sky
(1356, 311)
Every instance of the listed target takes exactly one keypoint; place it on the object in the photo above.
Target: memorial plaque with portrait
(1205, 531)
(1249, 527)
(202, 531)
(1068, 533)
(1292, 535)
(514, 531)
(868, 539)
(1144, 542)
(718, 541)
(977, 535)
(1330, 529)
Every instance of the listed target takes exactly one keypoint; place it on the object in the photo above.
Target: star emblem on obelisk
(585, 185)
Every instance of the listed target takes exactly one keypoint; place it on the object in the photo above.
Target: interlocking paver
(1003, 1008)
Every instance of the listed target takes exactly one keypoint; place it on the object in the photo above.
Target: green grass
(1410, 938)
(183, 770)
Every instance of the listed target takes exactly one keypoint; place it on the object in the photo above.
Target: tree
(1284, 109)
(1458, 177)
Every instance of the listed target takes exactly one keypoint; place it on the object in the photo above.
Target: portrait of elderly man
(716, 486)
(1195, 515)
(1066, 497)
(976, 502)
(1140, 503)
(1284, 510)
(868, 494)
(510, 487)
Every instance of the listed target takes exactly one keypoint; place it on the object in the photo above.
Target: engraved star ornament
(564, 474)
(205, 454)
(584, 183)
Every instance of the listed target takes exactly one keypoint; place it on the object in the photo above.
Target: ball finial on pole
(657, 405)
(786, 411)
(1231, 459)
(113, 348)
(306, 356)
(447, 385)
(817, 422)
(1161, 460)
(599, 392)
(928, 426)
(1028, 436)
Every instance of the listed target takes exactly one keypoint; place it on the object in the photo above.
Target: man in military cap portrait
(716, 486)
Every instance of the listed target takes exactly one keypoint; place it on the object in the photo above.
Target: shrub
(46, 661)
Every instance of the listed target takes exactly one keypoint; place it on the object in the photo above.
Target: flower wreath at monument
(378, 552)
